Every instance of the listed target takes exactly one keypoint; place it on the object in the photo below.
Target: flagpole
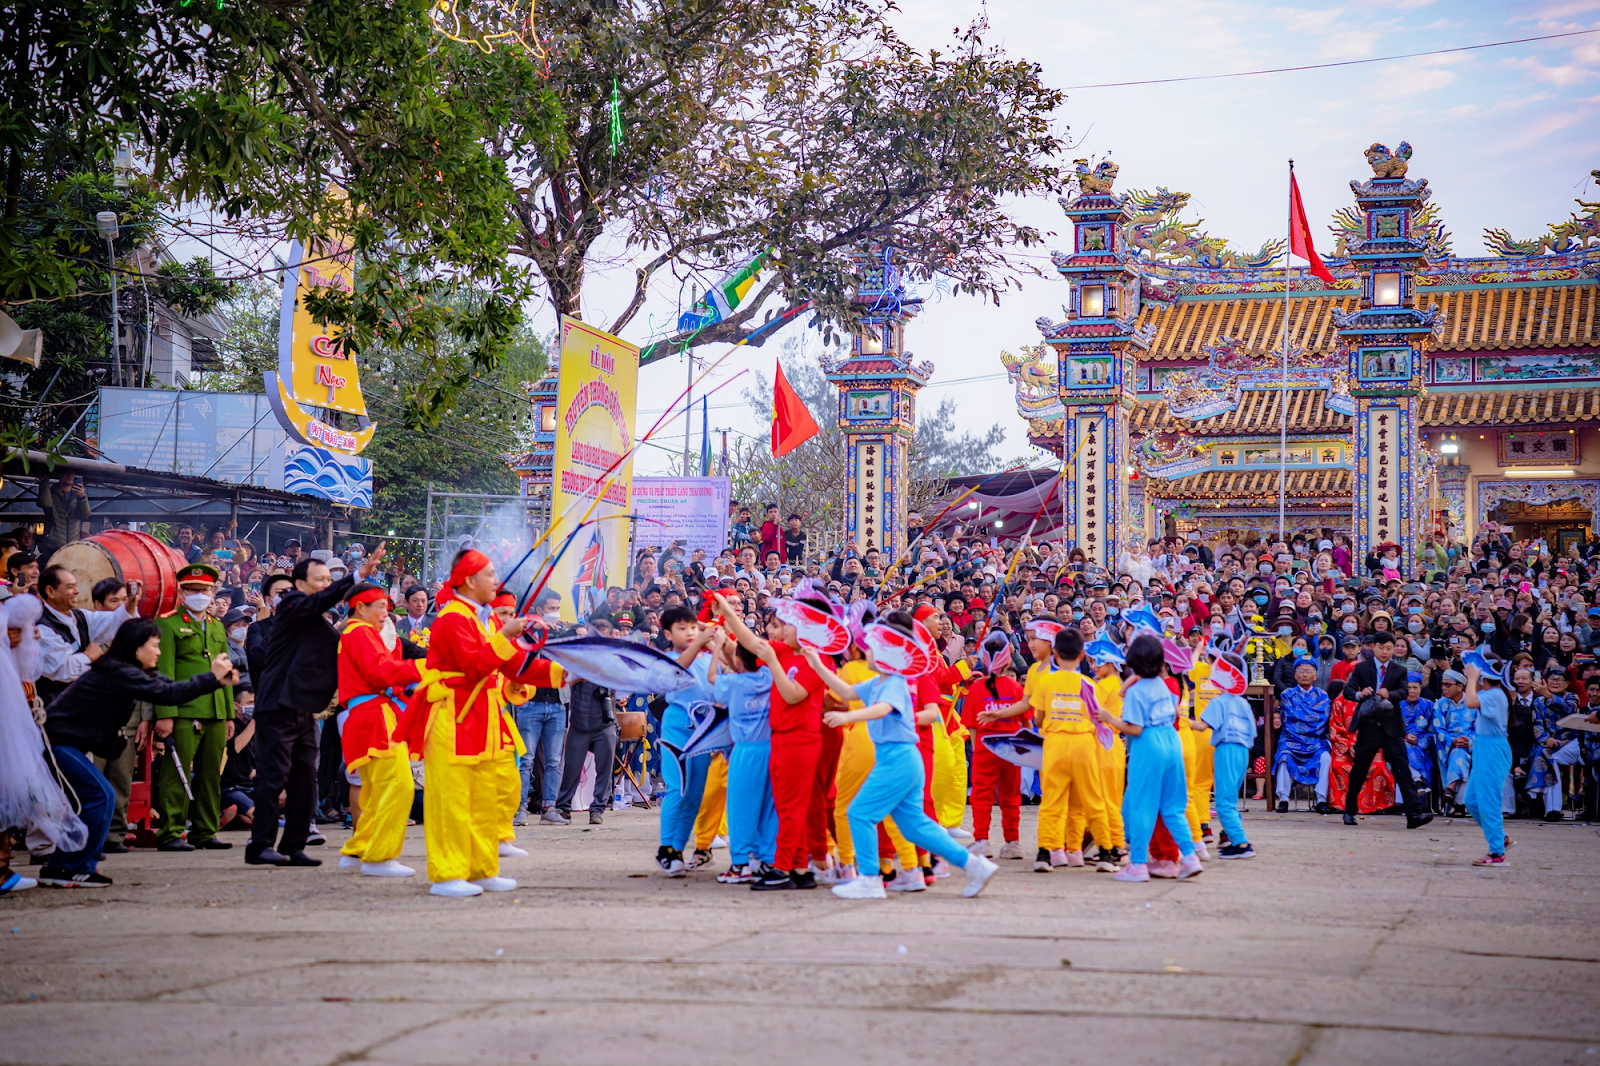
(1283, 391)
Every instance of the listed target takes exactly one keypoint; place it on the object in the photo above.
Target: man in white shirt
(69, 638)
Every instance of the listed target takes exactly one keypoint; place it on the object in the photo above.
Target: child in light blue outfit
(752, 817)
(1157, 783)
(685, 788)
(894, 786)
(1491, 760)
(1233, 731)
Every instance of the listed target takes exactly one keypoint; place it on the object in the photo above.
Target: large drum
(127, 556)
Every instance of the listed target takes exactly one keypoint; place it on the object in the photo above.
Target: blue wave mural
(328, 475)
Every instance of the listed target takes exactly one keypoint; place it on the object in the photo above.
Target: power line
(1341, 63)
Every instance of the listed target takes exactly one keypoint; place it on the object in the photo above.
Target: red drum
(127, 556)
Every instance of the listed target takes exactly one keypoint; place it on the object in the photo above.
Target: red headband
(505, 599)
(923, 613)
(470, 564)
(369, 596)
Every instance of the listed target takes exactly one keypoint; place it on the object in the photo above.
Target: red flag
(792, 424)
(1300, 233)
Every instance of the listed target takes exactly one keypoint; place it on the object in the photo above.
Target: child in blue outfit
(1157, 783)
(679, 807)
(894, 786)
(752, 817)
(1232, 723)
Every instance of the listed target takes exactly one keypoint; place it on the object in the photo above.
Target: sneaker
(1106, 862)
(978, 847)
(496, 884)
(1011, 849)
(520, 818)
(771, 879)
(960, 834)
(978, 871)
(676, 868)
(551, 816)
(1490, 860)
(1201, 851)
(861, 888)
(824, 875)
(907, 881)
(1135, 871)
(1237, 851)
(665, 856)
(509, 850)
(596, 816)
(847, 872)
(458, 889)
(1189, 866)
(701, 857)
(736, 875)
(1166, 869)
(941, 870)
(388, 868)
(1042, 863)
(348, 863)
(56, 877)
(1058, 856)
(315, 839)
(804, 879)
(1205, 830)
(1074, 858)
(15, 882)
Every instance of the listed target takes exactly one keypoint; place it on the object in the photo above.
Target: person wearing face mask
(197, 730)
(542, 721)
(255, 638)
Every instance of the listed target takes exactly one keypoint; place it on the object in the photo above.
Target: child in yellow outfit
(1113, 773)
(1202, 773)
(1065, 708)
(712, 821)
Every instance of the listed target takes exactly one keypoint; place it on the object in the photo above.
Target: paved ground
(1371, 945)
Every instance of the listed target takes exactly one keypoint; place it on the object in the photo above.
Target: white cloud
(1564, 74)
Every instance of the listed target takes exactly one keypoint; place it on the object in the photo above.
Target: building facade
(1426, 393)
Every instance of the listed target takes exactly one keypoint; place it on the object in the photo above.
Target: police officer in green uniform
(198, 730)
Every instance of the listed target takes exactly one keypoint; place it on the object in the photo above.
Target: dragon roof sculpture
(1204, 392)
(1579, 232)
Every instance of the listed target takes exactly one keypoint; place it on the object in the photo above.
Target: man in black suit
(296, 681)
(1381, 730)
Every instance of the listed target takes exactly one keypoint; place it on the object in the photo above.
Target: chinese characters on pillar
(870, 514)
(1383, 490)
(1092, 524)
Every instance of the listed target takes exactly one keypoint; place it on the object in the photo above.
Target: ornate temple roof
(1223, 485)
(1309, 412)
(1479, 319)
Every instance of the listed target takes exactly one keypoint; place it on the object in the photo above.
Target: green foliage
(192, 288)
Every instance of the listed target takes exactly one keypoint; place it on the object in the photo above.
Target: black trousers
(286, 760)
(603, 743)
(1371, 739)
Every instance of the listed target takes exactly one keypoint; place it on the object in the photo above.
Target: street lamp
(105, 222)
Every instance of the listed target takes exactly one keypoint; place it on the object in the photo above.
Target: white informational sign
(1383, 490)
(691, 509)
(1091, 475)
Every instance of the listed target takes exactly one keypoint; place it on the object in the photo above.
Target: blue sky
(1506, 137)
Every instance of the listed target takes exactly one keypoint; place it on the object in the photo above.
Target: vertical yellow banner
(596, 401)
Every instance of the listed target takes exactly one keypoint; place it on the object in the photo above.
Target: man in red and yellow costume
(504, 608)
(457, 719)
(373, 675)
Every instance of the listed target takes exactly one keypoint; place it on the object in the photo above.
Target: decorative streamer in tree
(616, 116)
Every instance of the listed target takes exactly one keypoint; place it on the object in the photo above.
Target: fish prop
(817, 629)
(1023, 748)
(619, 665)
(711, 731)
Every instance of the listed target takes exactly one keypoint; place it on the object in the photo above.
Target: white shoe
(847, 871)
(454, 888)
(509, 850)
(18, 883)
(958, 833)
(825, 875)
(1200, 851)
(862, 888)
(978, 847)
(496, 884)
(1012, 849)
(978, 871)
(906, 881)
(1058, 856)
(1074, 858)
(350, 862)
(941, 870)
(718, 842)
(387, 868)
(1134, 871)
(1189, 866)
(676, 868)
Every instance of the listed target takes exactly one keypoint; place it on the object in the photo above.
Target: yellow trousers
(508, 785)
(713, 816)
(386, 794)
(1070, 780)
(857, 757)
(1205, 775)
(1113, 774)
(463, 807)
(949, 778)
(1191, 770)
